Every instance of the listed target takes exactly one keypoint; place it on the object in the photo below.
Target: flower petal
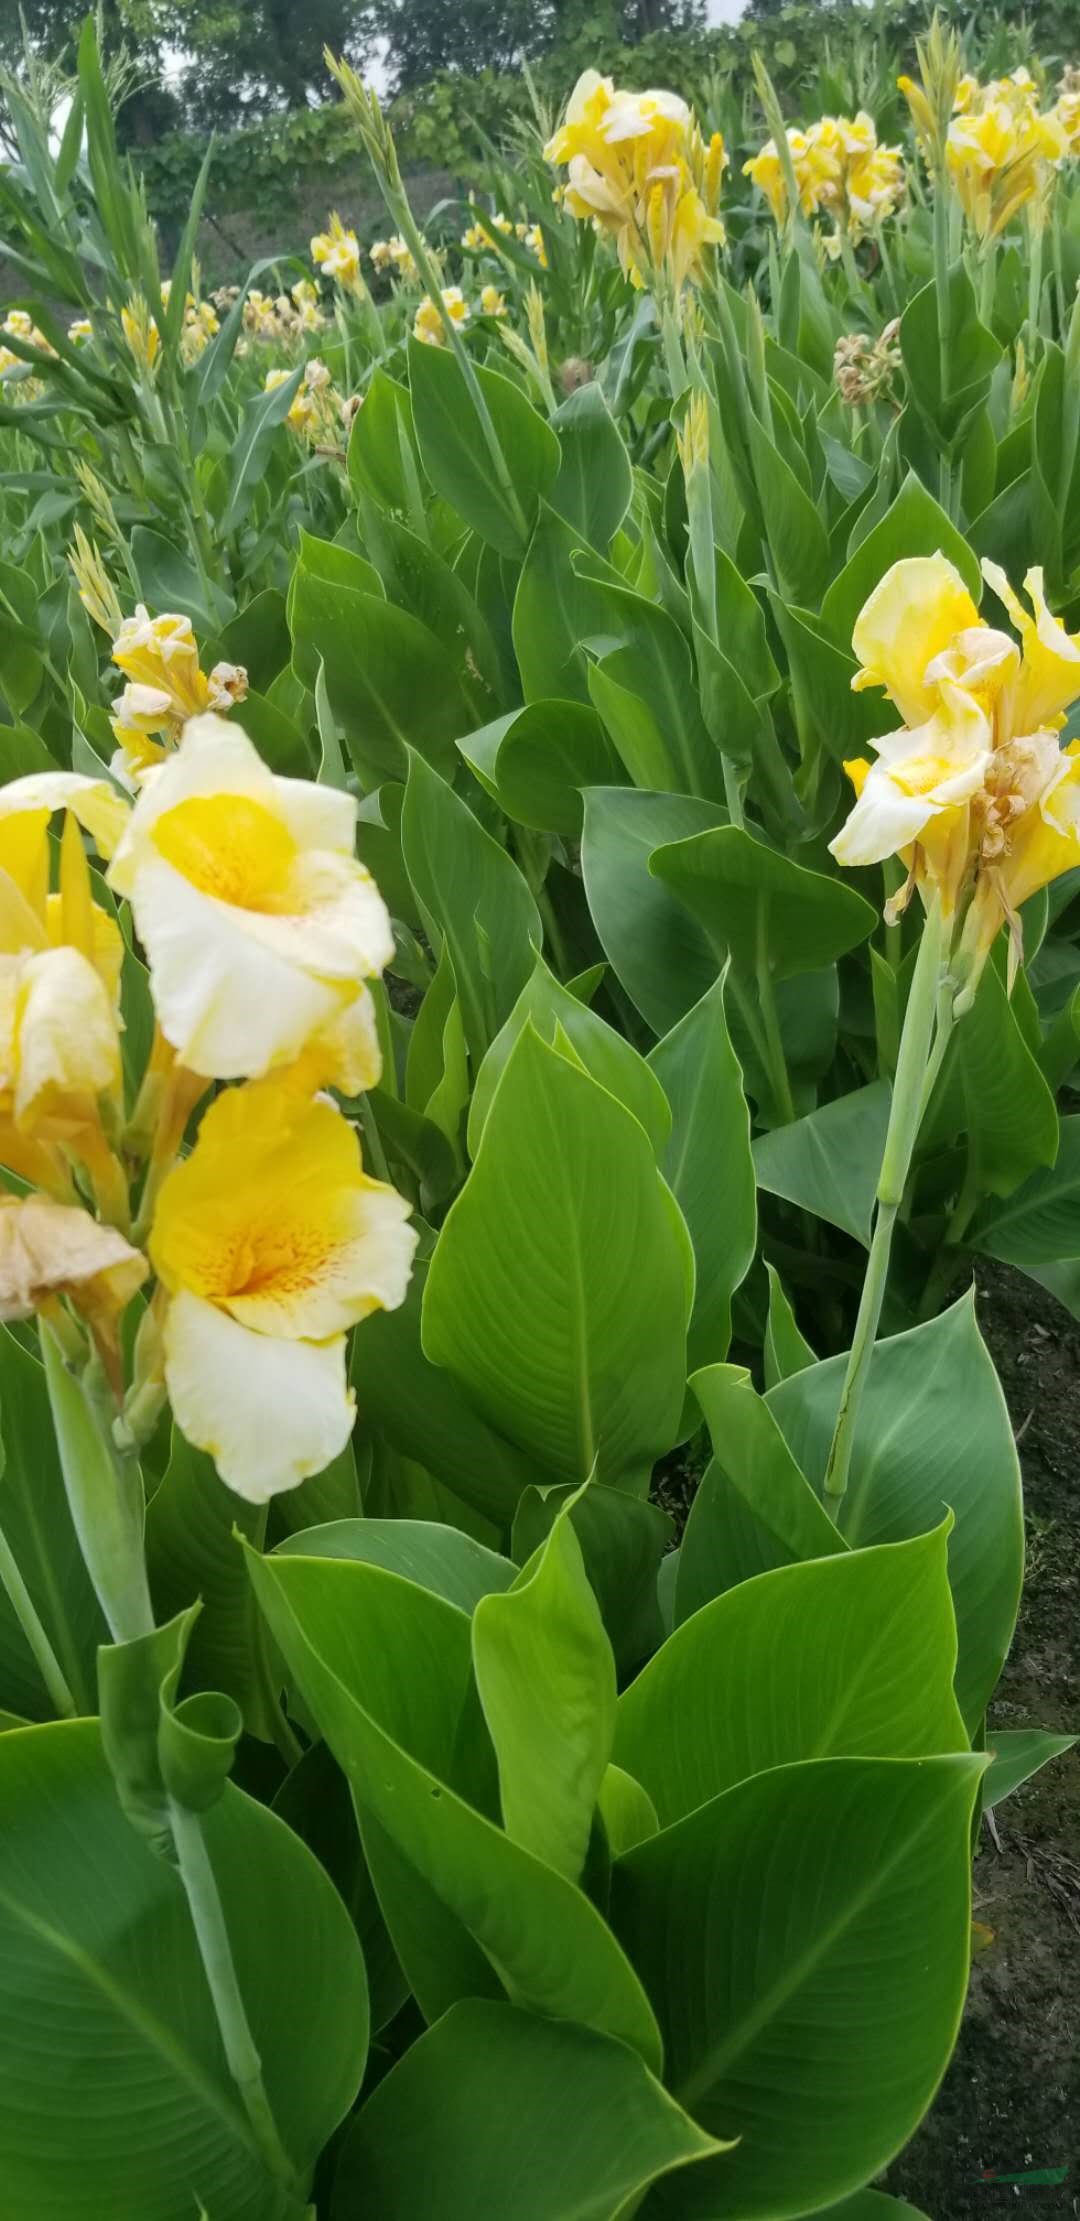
(914, 613)
(269, 1412)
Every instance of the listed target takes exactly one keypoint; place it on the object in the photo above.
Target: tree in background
(422, 37)
(200, 64)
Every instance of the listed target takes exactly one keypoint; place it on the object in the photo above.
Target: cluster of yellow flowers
(637, 167)
(974, 791)
(267, 1241)
(317, 408)
(477, 237)
(18, 325)
(166, 686)
(840, 169)
(336, 252)
(428, 324)
(281, 320)
(142, 332)
(396, 255)
(1001, 151)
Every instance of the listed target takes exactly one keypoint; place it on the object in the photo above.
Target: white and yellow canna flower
(336, 252)
(80, 330)
(638, 168)
(428, 324)
(1000, 153)
(270, 1242)
(159, 657)
(492, 302)
(259, 925)
(974, 789)
(60, 963)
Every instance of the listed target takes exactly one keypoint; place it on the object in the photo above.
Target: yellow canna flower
(60, 962)
(840, 169)
(336, 252)
(492, 302)
(428, 324)
(1000, 153)
(974, 791)
(159, 657)
(637, 167)
(259, 925)
(141, 332)
(80, 329)
(270, 1242)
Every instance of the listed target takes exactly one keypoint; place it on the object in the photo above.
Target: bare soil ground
(1011, 2099)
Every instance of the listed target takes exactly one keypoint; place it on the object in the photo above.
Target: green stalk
(45, 1658)
(905, 1118)
(1035, 272)
(944, 309)
(770, 1021)
(208, 1920)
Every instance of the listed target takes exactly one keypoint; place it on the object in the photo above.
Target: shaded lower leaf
(496, 2112)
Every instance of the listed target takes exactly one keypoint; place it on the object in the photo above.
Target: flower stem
(208, 1919)
(905, 1118)
(45, 1658)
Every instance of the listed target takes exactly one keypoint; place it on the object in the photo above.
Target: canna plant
(459, 891)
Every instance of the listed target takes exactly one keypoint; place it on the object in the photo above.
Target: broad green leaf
(973, 354)
(423, 1411)
(441, 1559)
(623, 1540)
(559, 1018)
(546, 1676)
(455, 454)
(39, 1532)
(535, 761)
(804, 1939)
(594, 483)
(708, 1164)
(1011, 1118)
(315, 1801)
(384, 1668)
(914, 525)
(844, 1657)
(386, 676)
(932, 1432)
(750, 899)
(474, 2121)
(259, 425)
(821, 675)
(471, 894)
(627, 1812)
(1040, 1223)
(798, 541)
(560, 1287)
(645, 653)
(169, 581)
(1015, 1753)
(663, 957)
(786, 1348)
(830, 1161)
(554, 611)
(754, 1509)
(104, 1983)
(382, 460)
(193, 1524)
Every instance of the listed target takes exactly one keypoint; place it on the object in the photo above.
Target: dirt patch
(1011, 2099)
